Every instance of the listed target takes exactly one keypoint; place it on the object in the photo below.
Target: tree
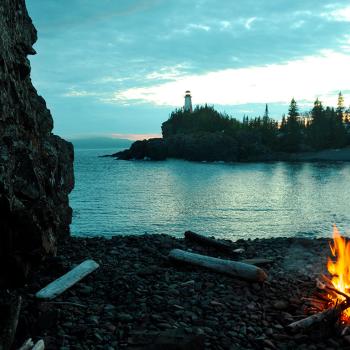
(318, 130)
(339, 134)
(266, 115)
(340, 104)
(292, 131)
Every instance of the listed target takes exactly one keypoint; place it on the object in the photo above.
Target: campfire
(339, 268)
(330, 304)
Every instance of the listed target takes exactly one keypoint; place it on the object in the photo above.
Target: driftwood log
(330, 316)
(209, 242)
(40, 345)
(9, 314)
(27, 345)
(230, 267)
(60, 285)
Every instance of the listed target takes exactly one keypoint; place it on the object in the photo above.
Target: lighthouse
(188, 101)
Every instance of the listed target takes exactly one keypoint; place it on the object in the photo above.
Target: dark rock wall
(36, 167)
(203, 146)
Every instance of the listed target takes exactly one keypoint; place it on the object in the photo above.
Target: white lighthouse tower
(188, 101)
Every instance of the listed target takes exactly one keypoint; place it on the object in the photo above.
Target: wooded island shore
(140, 299)
(154, 149)
(204, 134)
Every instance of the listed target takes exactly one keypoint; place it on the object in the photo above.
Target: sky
(119, 67)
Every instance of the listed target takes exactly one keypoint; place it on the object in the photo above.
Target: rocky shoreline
(138, 299)
(213, 147)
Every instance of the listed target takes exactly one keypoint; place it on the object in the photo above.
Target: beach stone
(177, 340)
(86, 290)
(280, 305)
(124, 317)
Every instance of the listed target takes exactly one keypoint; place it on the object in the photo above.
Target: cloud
(135, 137)
(248, 23)
(79, 93)
(120, 60)
(224, 25)
(307, 78)
(298, 24)
(339, 14)
(168, 72)
(199, 27)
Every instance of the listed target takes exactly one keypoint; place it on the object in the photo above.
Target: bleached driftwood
(27, 345)
(60, 285)
(40, 345)
(10, 314)
(208, 241)
(230, 267)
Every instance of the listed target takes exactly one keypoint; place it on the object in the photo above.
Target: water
(226, 200)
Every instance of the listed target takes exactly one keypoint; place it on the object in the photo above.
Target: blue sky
(119, 67)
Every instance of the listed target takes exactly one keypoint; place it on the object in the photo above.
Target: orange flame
(339, 267)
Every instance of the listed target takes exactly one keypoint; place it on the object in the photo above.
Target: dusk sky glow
(111, 67)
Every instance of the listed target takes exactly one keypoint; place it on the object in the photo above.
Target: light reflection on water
(226, 200)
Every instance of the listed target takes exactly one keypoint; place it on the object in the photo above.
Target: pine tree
(266, 115)
(339, 134)
(340, 104)
(292, 137)
(293, 110)
(283, 123)
(318, 129)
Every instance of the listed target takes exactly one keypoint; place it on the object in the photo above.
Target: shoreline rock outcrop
(202, 146)
(211, 147)
(36, 166)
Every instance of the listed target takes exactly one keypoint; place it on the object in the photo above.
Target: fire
(339, 268)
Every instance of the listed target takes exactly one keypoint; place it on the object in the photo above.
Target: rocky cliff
(36, 167)
(201, 146)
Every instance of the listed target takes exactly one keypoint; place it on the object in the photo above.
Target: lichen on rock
(36, 166)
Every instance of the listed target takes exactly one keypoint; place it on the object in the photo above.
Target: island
(204, 134)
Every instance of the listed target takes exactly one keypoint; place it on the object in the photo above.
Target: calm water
(226, 200)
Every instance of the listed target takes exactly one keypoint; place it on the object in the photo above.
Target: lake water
(226, 200)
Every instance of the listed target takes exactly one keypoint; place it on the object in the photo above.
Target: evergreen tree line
(322, 127)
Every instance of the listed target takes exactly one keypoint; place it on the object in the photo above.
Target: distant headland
(204, 134)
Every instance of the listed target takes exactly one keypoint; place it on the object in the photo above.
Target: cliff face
(36, 167)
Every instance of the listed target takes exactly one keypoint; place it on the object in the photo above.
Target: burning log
(60, 285)
(230, 267)
(332, 293)
(209, 242)
(330, 316)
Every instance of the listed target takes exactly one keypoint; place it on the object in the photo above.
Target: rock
(177, 340)
(93, 320)
(124, 317)
(86, 290)
(280, 305)
(347, 339)
(36, 167)
(201, 146)
(269, 343)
